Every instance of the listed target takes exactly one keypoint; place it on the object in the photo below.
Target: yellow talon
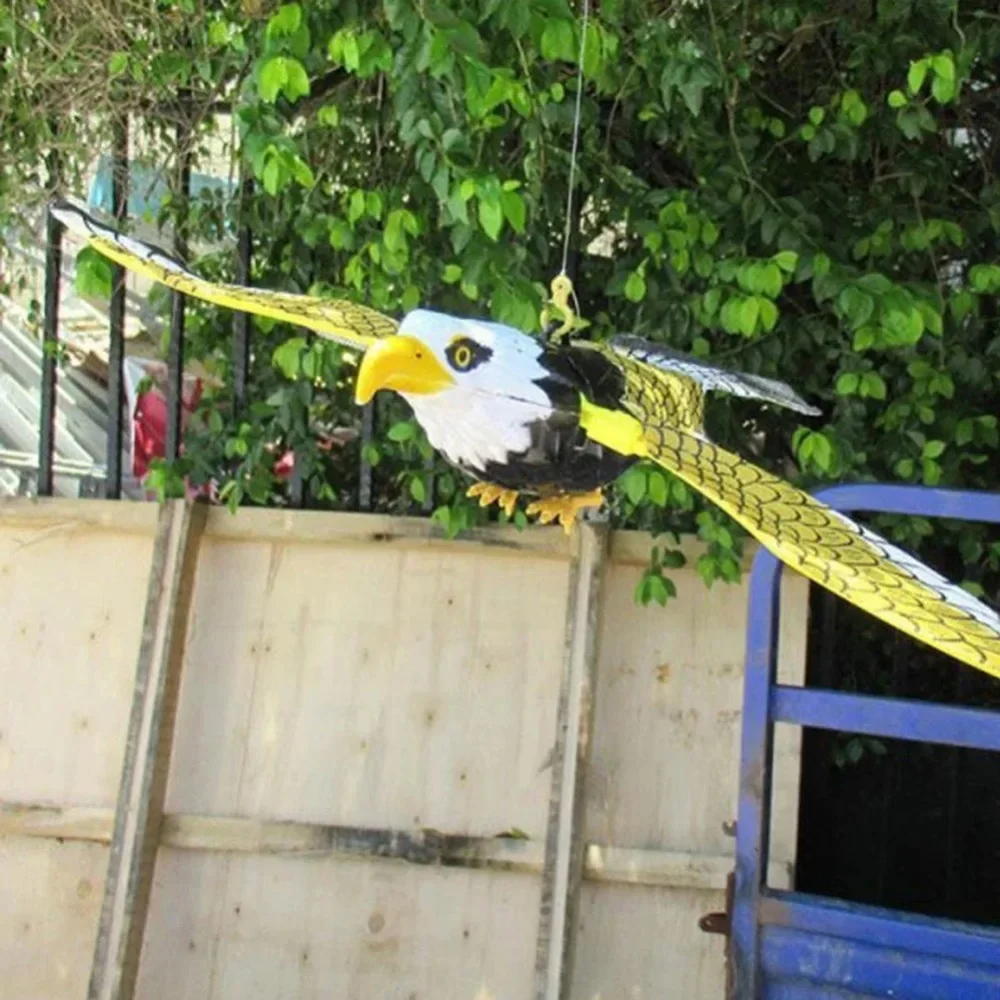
(491, 493)
(565, 507)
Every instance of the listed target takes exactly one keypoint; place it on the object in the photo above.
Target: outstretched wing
(710, 377)
(822, 544)
(345, 322)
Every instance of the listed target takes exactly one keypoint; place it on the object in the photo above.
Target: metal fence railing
(56, 273)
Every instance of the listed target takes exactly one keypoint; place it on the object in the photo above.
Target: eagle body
(562, 421)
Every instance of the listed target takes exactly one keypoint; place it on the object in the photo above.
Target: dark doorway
(904, 825)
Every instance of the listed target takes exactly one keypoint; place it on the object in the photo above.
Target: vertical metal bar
(826, 674)
(956, 816)
(175, 352)
(753, 822)
(297, 486)
(50, 338)
(365, 470)
(814, 772)
(428, 504)
(27, 483)
(241, 321)
(116, 318)
(890, 788)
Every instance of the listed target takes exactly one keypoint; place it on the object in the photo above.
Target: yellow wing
(345, 322)
(822, 544)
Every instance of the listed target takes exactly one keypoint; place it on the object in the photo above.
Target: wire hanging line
(577, 113)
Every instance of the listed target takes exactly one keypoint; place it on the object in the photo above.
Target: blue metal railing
(792, 945)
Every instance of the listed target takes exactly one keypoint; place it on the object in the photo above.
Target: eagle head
(473, 385)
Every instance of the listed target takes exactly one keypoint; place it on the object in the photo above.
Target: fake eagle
(561, 422)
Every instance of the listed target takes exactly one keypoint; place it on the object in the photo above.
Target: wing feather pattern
(339, 320)
(823, 544)
(710, 377)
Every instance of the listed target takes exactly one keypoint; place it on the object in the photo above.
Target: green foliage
(802, 196)
(93, 274)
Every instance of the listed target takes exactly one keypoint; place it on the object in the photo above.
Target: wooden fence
(303, 755)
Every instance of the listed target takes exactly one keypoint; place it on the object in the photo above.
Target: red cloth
(150, 421)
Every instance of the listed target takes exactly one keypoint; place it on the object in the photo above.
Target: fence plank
(564, 846)
(139, 811)
(351, 684)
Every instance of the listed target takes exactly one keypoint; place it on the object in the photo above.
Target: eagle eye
(464, 354)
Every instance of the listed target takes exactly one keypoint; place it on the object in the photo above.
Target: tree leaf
(943, 65)
(634, 481)
(302, 173)
(328, 115)
(770, 281)
(273, 76)
(404, 430)
(872, 385)
(729, 317)
(864, 338)
(93, 274)
(916, 76)
(768, 314)
(942, 89)
(356, 206)
(287, 357)
(658, 488)
(285, 21)
(296, 81)
(491, 217)
(558, 41)
(787, 260)
(749, 313)
(635, 287)
(513, 210)
(856, 305)
(848, 383)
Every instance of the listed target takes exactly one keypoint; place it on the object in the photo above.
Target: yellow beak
(403, 364)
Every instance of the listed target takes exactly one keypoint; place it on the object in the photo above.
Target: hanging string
(562, 293)
(576, 139)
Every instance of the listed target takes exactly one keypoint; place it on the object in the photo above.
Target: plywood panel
(71, 598)
(666, 736)
(225, 926)
(51, 899)
(640, 943)
(360, 671)
(370, 686)
(664, 776)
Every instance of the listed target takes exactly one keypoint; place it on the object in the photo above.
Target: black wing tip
(73, 216)
(772, 388)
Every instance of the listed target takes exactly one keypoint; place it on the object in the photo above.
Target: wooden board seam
(288, 838)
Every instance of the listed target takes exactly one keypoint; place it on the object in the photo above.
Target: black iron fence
(241, 346)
